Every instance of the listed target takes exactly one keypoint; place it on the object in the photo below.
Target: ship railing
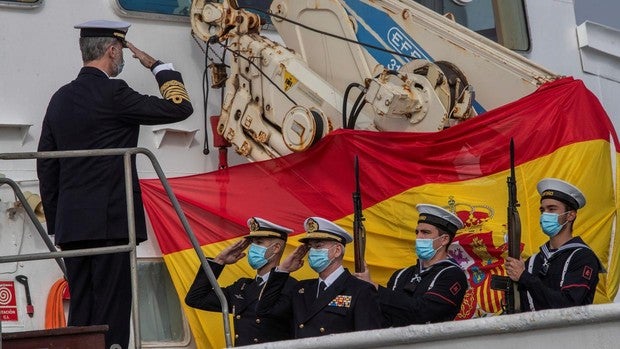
(127, 153)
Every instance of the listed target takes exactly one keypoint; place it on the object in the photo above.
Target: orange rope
(54, 311)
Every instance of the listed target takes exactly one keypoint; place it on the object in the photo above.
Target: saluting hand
(232, 253)
(295, 260)
(514, 268)
(144, 58)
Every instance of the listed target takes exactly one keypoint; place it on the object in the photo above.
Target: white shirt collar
(265, 277)
(333, 276)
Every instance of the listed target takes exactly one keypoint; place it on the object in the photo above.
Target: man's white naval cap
(557, 189)
(318, 228)
(260, 227)
(103, 28)
(439, 217)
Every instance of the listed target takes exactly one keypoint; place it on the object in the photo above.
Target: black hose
(205, 100)
(346, 98)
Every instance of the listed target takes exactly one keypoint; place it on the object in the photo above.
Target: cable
(328, 34)
(237, 54)
(346, 98)
(353, 118)
(205, 100)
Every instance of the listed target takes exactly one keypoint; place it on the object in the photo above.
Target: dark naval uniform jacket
(242, 297)
(84, 198)
(348, 304)
(559, 278)
(415, 296)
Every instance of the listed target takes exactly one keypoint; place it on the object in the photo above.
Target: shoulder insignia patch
(587, 272)
(454, 289)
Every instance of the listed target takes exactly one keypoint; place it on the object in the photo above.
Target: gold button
(255, 340)
(258, 321)
(301, 326)
(236, 336)
(321, 329)
(238, 317)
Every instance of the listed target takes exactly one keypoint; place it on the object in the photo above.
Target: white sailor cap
(553, 188)
(263, 228)
(103, 28)
(439, 217)
(318, 228)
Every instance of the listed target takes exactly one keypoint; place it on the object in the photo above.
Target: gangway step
(65, 338)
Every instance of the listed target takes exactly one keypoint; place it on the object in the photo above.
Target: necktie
(322, 287)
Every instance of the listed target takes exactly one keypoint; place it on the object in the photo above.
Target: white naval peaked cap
(553, 188)
(439, 217)
(260, 227)
(318, 228)
(103, 28)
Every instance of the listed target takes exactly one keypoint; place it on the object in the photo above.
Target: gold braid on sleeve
(174, 91)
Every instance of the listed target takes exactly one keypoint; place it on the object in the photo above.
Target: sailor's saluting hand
(233, 253)
(295, 260)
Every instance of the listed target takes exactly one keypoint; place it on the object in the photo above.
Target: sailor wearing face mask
(433, 289)
(565, 271)
(266, 243)
(336, 301)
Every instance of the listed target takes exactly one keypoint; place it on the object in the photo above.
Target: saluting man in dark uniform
(84, 198)
(336, 302)
(433, 289)
(565, 271)
(267, 241)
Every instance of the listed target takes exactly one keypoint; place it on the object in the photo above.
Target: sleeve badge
(454, 289)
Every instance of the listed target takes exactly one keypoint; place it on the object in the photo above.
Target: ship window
(263, 5)
(176, 10)
(21, 3)
(161, 316)
(173, 10)
(501, 21)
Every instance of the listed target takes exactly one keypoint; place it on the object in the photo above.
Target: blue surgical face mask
(424, 248)
(318, 258)
(256, 256)
(550, 224)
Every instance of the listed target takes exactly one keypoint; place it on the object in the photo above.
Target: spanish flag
(559, 131)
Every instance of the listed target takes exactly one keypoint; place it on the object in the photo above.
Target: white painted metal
(600, 50)
(593, 326)
(483, 62)
(40, 53)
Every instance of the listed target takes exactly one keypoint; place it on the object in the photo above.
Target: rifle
(512, 302)
(359, 232)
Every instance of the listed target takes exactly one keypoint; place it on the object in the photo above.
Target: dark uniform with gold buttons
(348, 304)
(84, 198)
(242, 297)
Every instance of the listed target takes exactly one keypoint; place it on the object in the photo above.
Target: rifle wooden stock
(359, 232)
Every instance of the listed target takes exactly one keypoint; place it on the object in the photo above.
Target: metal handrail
(46, 239)
(131, 246)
